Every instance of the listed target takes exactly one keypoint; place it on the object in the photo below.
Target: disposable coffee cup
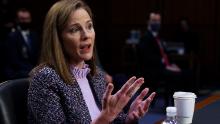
(185, 104)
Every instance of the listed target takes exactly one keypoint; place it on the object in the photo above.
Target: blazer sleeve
(44, 103)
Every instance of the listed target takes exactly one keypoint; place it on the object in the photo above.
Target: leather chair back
(13, 101)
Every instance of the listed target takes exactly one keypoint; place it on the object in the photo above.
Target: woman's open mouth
(85, 48)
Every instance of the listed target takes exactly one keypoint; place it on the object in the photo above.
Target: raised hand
(112, 105)
(139, 106)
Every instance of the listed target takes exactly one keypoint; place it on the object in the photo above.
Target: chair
(13, 101)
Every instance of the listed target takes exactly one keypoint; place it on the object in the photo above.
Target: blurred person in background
(155, 64)
(22, 47)
(185, 35)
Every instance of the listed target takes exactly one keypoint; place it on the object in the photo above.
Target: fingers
(148, 101)
(143, 94)
(135, 86)
(126, 86)
(152, 95)
(107, 94)
(141, 111)
(109, 90)
(130, 86)
(135, 114)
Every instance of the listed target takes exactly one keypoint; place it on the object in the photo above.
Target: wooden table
(207, 101)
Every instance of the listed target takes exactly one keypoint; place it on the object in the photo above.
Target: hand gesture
(139, 106)
(112, 105)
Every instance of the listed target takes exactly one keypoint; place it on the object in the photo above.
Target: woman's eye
(74, 30)
(90, 26)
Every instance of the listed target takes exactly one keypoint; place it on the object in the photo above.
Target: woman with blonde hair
(67, 87)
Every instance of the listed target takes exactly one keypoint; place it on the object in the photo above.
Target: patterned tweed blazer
(52, 101)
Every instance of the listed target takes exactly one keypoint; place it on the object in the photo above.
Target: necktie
(162, 52)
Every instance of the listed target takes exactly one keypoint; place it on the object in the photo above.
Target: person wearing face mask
(22, 47)
(154, 63)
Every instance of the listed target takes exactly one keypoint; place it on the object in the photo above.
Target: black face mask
(155, 27)
(24, 25)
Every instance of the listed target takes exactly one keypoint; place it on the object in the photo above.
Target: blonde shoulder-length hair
(52, 52)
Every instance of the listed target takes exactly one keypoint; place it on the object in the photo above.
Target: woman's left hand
(139, 106)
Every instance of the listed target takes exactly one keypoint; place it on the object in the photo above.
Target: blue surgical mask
(155, 27)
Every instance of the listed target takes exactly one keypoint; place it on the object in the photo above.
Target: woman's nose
(85, 34)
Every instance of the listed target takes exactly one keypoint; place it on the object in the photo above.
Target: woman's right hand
(112, 105)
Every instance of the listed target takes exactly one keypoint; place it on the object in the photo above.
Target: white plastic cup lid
(181, 94)
(171, 111)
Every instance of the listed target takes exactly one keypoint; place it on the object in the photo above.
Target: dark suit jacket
(52, 101)
(149, 57)
(20, 57)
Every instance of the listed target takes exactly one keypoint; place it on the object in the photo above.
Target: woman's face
(78, 36)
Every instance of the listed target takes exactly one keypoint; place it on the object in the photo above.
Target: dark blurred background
(116, 18)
